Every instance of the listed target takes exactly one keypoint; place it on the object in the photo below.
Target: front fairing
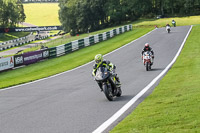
(167, 27)
(102, 74)
(147, 57)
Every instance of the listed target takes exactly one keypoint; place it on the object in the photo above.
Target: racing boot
(100, 86)
(152, 60)
(118, 84)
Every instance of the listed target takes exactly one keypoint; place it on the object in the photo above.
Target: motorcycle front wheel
(108, 92)
(147, 66)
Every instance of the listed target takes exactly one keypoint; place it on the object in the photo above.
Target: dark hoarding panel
(19, 60)
(32, 57)
(30, 29)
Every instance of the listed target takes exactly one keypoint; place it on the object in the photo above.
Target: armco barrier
(35, 56)
(120, 30)
(52, 52)
(104, 36)
(91, 39)
(125, 28)
(108, 35)
(17, 42)
(87, 42)
(68, 48)
(114, 32)
(81, 43)
(96, 38)
(75, 45)
(100, 37)
(21, 41)
(111, 33)
(60, 50)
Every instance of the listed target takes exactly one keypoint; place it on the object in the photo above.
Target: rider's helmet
(146, 46)
(98, 58)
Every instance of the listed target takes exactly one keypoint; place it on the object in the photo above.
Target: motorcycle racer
(148, 48)
(100, 62)
(174, 23)
(168, 25)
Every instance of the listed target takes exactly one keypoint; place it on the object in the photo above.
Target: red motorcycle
(147, 60)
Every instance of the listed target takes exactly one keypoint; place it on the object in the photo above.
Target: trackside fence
(35, 56)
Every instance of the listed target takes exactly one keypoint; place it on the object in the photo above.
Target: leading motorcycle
(147, 60)
(107, 82)
(168, 29)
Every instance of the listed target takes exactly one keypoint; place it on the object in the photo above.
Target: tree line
(11, 13)
(80, 16)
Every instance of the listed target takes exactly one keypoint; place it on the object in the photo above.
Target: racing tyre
(108, 92)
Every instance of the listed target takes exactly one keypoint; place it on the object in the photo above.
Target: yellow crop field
(42, 14)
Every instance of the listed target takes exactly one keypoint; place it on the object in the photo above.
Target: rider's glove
(93, 73)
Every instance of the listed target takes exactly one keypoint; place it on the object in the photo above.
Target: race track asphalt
(72, 101)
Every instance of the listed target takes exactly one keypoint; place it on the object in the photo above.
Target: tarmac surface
(72, 102)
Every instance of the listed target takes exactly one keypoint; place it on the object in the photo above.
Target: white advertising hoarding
(6, 63)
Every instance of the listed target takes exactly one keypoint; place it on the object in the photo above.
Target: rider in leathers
(100, 62)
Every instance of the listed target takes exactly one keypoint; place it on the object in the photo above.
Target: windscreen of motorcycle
(101, 74)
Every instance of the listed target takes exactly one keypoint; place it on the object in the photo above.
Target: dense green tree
(11, 13)
(79, 16)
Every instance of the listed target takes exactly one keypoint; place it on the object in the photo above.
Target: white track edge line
(74, 68)
(113, 118)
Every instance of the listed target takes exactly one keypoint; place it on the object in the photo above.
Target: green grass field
(180, 21)
(11, 36)
(80, 57)
(174, 105)
(42, 14)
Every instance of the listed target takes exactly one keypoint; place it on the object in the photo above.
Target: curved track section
(72, 101)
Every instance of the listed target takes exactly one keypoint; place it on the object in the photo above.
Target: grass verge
(180, 21)
(174, 105)
(14, 35)
(80, 57)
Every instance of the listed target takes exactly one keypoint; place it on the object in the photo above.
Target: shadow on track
(123, 98)
(157, 69)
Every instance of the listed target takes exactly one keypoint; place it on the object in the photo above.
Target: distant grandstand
(38, 1)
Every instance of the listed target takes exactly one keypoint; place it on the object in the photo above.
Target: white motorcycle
(147, 60)
(168, 29)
